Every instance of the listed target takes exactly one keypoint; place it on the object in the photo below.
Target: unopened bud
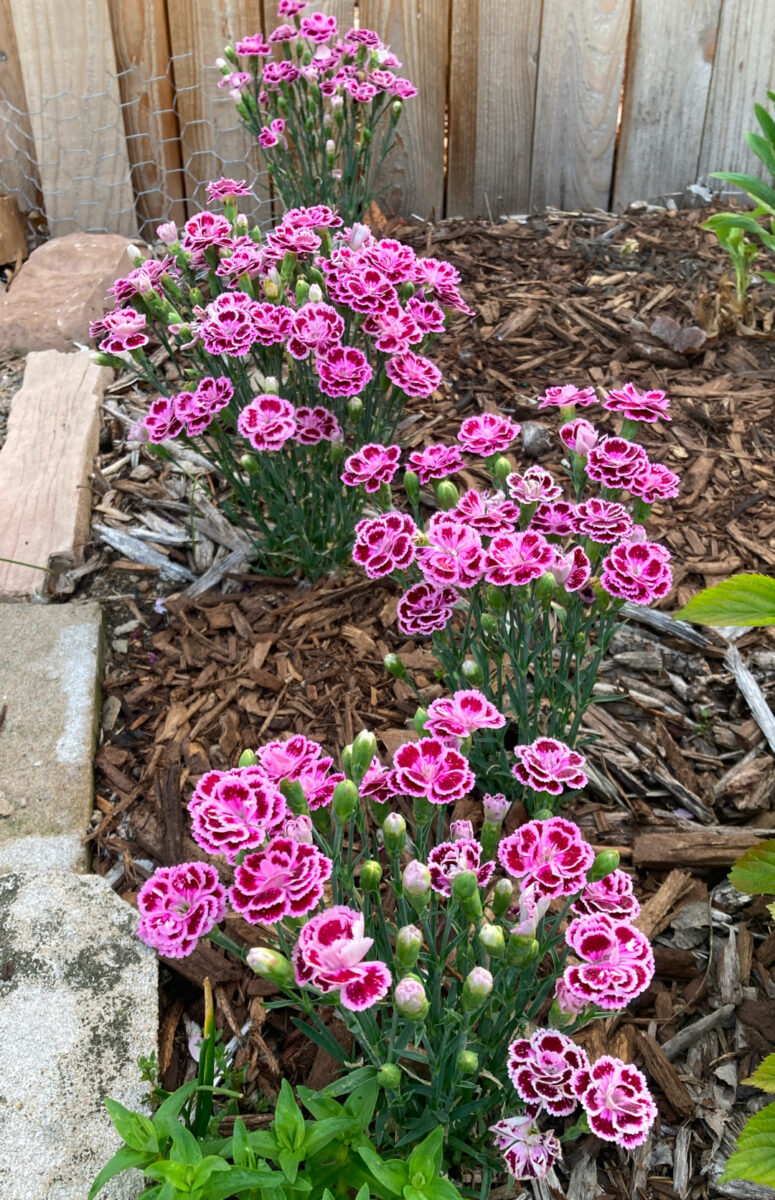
(467, 1062)
(364, 750)
(107, 360)
(354, 407)
(543, 814)
(495, 807)
(269, 964)
(302, 292)
(394, 833)
(496, 601)
(501, 469)
(330, 152)
(410, 998)
(503, 894)
(471, 672)
(521, 950)
(412, 486)
(489, 623)
(336, 452)
(371, 875)
(465, 890)
(492, 939)
(408, 946)
(347, 761)
(489, 839)
(416, 880)
(345, 801)
(447, 494)
(247, 759)
(605, 862)
(477, 987)
(389, 1076)
(546, 586)
(394, 666)
(315, 293)
(294, 797)
(420, 720)
(396, 108)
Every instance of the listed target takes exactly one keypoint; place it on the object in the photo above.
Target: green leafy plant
(753, 1158)
(732, 229)
(741, 600)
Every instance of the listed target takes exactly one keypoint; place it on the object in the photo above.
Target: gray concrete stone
(78, 1005)
(49, 681)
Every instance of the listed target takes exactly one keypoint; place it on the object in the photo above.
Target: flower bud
(546, 586)
(465, 890)
(447, 494)
(521, 950)
(396, 108)
(605, 862)
(364, 750)
(471, 672)
(393, 665)
(501, 469)
(543, 814)
(247, 759)
(477, 987)
(496, 601)
(107, 360)
(134, 254)
(347, 761)
(408, 946)
(294, 797)
(330, 152)
(394, 833)
(412, 487)
(315, 293)
(231, 54)
(222, 65)
(271, 290)
(269, 964)
(467, 1062)
(489, 839)
(492, 939)
(416, 880)
(389, 1076)
(489, 623)
(420, 720)
(495, 807)
(461, 831)
(503, 894)
(410, 998)
(345, 801)
(302, 292)
(371, 875)
(336, 452)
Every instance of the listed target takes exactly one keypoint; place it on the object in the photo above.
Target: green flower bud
(302, 292)
(605, 862)
(490, 624)
(107, 360)
(364, 750)
(336, 453)
(315, 293)
(465, 890)
(247, 759)
(347, 761)
(447, 494)
(543, 814)
(496, 601)
(420, 719)
(545, 587)
(501, 469)
(250, 463)
(269, 964)
(412, 487)
(409, 942)
(503, 896)
(416, 880)
(354, 407)
(294, 797)
(396, 108)
(230, 53)
(389, 1076)
(471, 672)
(521, 950)
(393, 665)
(467, 1062)
(477, 987)
(491, 938)
(394, 833)
(371, 875)
(560, 1018)
(345, 801)
(410, 998)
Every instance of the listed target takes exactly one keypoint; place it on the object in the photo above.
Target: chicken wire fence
(115, 162)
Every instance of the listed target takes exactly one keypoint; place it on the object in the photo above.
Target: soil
(683, 774)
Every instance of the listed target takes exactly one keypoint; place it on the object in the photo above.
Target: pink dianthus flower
(542, 1069)
(612, 896)
(235, 810)
(318, 27)
(617, 1101)
(163, 420)
(267, 422)
(461, 714)
(120, 330)
(655, 482)
(228, 326)
(603, 520)
(178, 905)
(579, 436)
(378, 784)
(527, 1152)
(517, 558)
(487, 433)
(547, 765)
(371, 466)
(566, 396)
(415, 375)
(428, 316)
(285, 879)
(202, 230)
(254, 43)
(224, 189)
(343, 371)
(638, 572)
(615, 462)
(535, 486)
(385, 544)
(272, 323)
(488, 513)
(435, 462)
(393, 259)
(431, 769)
(318, 424)
(638, 406)
(448, 859)
(617, 962)
(425, 609)
(571, 569)
(453, 555)
(555, 520)
(550, 855)
(328, 955)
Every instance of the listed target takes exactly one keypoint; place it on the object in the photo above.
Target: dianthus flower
(378, 784)
(638, 406)
(527, 1152)
(343, 371)
(272, 323)
(254, 43)
(603, 520)
(617, 962)
(443, 279)
(318, 424)
(615, 462)
(244, 259)
(364, 92)
(143, 279)
(393, 259)
(555, 520)
(367, 290)
(299, 829)
(530, 909)
(267, 422)
(313, 216)
(289, 759)
(431, 769)
(318, 27)
(393, 330)
(286, 8)
(415, 375)
(328, 955)
(282, 33)
(285, 879)
(178, 905)
(542, 1069)
(385, 544)
(572, 569)
(235, 810)
(566, 396)
(617, 1101)
(428, 316)
(461, 831)
(551, 855)
(228, 326)
(612, 896)
(163, 420)
(517, 558)
(202, 230)
(267, 138)
(425, 609)
(294, 238)
(435, 462)
(197, 409)
(224, 189)
(533, 487)
(655, 482)
(461, 714)
(579, 436)
(486, 512)
(277, 73)
(454, 554)
(637, 571)
(547, 765)
(371, 466)
(236, 81)
(487, 433)
(120, 330)
(448, 859)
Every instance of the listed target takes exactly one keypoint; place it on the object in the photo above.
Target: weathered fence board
(68, 67)
(580, 67)
(669, 74)
(142, 45)
(17, 145)
(494, 52)
(418, 32)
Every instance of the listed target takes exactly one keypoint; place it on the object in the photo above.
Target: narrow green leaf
(754, 1156)
(754, 872)
(122, 1160)
(749, 183)
(764, 1075)
(741, 600)
(766, 122)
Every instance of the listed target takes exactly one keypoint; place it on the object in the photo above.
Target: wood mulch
(683, 774)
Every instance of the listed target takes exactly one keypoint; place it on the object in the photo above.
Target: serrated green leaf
(741, 600)
(764, 1075)
(754, 871)
(754, 1155)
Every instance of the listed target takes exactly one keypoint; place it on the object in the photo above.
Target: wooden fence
(110, 118)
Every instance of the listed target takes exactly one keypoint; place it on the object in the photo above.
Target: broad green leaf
(764, 1075)
(239, 1182)
(122, 1160)
(754, 1155)
(320, 1133)
(763, 150)
(754, 871)
(766, 122)
(288, 1124)
(442, 1189)
(425, 1159)
(289, 1164)
(755, 187)
(136, 1129)
(413, 1193)
(720, 222)
(741, 600)
(392, 1175)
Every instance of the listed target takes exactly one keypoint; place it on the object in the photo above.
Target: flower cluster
(323, 106)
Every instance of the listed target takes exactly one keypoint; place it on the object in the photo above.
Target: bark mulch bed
(683, 773)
